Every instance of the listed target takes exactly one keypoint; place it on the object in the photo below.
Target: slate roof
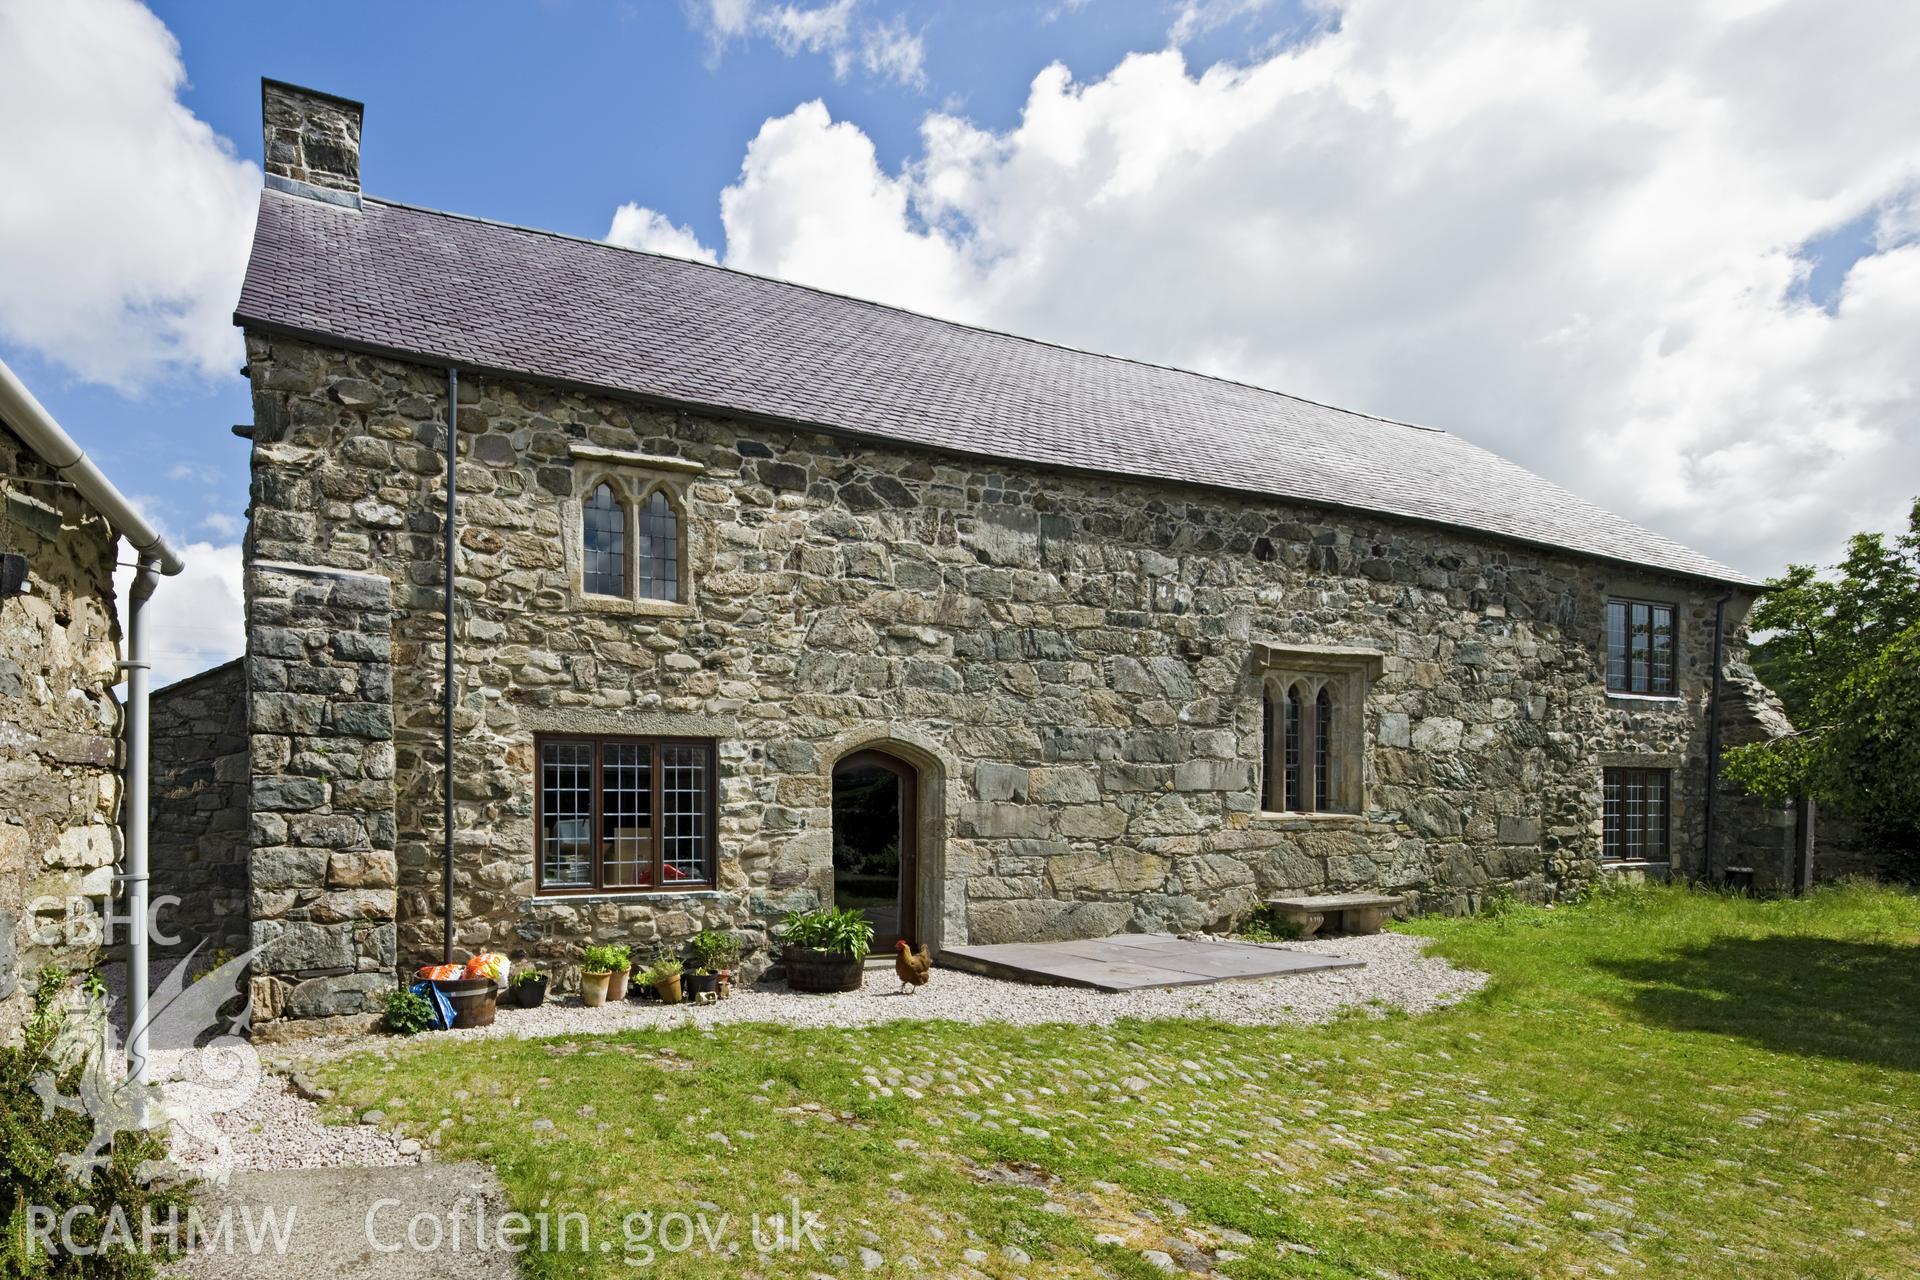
(451, 289)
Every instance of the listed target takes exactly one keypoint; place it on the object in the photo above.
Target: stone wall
(1069, 661)
(320, 799)
(59, 727)
(197, 829)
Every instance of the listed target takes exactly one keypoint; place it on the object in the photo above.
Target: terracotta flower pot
(593, 989)
(617, 984)
(668, 989)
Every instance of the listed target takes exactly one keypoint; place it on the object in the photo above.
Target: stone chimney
(312, 143)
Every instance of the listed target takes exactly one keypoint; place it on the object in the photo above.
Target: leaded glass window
(603, 543)
(659, 548)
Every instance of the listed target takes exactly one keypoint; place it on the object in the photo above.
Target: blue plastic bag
(442, 1007)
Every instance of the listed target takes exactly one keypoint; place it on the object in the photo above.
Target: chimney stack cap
(312, 142)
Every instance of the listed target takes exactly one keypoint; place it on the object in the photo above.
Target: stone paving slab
(1136, 962)
(330, 1238)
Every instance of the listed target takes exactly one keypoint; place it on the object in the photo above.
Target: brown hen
(912, 966)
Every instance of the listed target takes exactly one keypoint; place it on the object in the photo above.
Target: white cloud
(196, 616)
(890, 51)
(1570, 235)
(635, 227)
(124, 220)
(886, 50)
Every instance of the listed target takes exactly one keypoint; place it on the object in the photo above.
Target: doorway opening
(875, 862)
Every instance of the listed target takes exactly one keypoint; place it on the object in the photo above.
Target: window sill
(632, 608)
(587, 897)
(1657, 699)
(1277, 818)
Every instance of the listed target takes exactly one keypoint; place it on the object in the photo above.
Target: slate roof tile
(442, 287)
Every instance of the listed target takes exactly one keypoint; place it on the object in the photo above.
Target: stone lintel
(629, 458)
(1272, 654)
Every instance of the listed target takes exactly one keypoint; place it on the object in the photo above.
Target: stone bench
(1353, 912)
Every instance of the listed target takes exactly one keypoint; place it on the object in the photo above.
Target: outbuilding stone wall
(197, 840)
(1070, 661)
(59, 729)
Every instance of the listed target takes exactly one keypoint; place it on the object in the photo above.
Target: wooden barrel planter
(810, 970)
(474, 1000)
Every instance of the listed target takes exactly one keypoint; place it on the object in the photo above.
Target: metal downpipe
(133, 816)
(446, 783)
(1713, 734)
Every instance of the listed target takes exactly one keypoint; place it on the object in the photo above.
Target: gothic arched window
(1322, 753)
(603, 543)
(1292, 751)
(1267, 744)
(658, 560)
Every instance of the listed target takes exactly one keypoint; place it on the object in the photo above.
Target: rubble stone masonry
(1073, 663)
(59, 728)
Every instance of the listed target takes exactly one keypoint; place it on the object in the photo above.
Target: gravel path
(278, 1129)
(1397, 974)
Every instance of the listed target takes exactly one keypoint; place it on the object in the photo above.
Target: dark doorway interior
(874, 810)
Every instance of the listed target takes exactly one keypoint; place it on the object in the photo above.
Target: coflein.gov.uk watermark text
(638, 1239)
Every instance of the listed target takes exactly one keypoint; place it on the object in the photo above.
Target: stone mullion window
(620, 814)
(1322, 752)
(1313, 734)
(1291, 748)
(603, 543)
(1636, 815)
(1640, 647)
(660, 545)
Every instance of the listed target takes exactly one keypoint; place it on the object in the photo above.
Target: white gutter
(35, 426)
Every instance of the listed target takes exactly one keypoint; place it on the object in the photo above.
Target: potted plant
(530, 989)
(712, 952)
(597, 970)
(826, 949)
(622, 969)
(664, 978)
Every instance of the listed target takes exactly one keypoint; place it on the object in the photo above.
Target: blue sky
(1663, 252)
(551, 114)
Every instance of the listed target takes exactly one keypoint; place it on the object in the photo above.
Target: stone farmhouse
(753, 596)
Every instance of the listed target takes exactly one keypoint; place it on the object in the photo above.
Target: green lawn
(1659, 1083)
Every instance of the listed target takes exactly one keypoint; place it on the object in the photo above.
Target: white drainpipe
(35, 426)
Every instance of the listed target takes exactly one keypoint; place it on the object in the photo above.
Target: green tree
(1843, 652)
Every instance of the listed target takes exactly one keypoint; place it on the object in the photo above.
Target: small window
(659, 548)
(603, 543)
(1637, 815)
(1291, 759)
(621, 814)
(1640, 647)
(1322, 755)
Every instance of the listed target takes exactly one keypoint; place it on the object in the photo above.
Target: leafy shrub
(31, 1143)
(848, 931)
(713, 950)
(1268, 925)
(526, 977)
(661, 971)
(605, 957)
(408, 1013)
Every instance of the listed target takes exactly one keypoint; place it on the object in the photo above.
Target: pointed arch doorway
(876, 823)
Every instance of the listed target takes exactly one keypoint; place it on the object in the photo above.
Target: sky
(1663, 252)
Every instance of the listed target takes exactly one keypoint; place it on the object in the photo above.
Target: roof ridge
(900, 310)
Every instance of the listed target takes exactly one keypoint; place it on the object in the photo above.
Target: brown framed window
(620, 814)
(1640, 647)
(1638, 814)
